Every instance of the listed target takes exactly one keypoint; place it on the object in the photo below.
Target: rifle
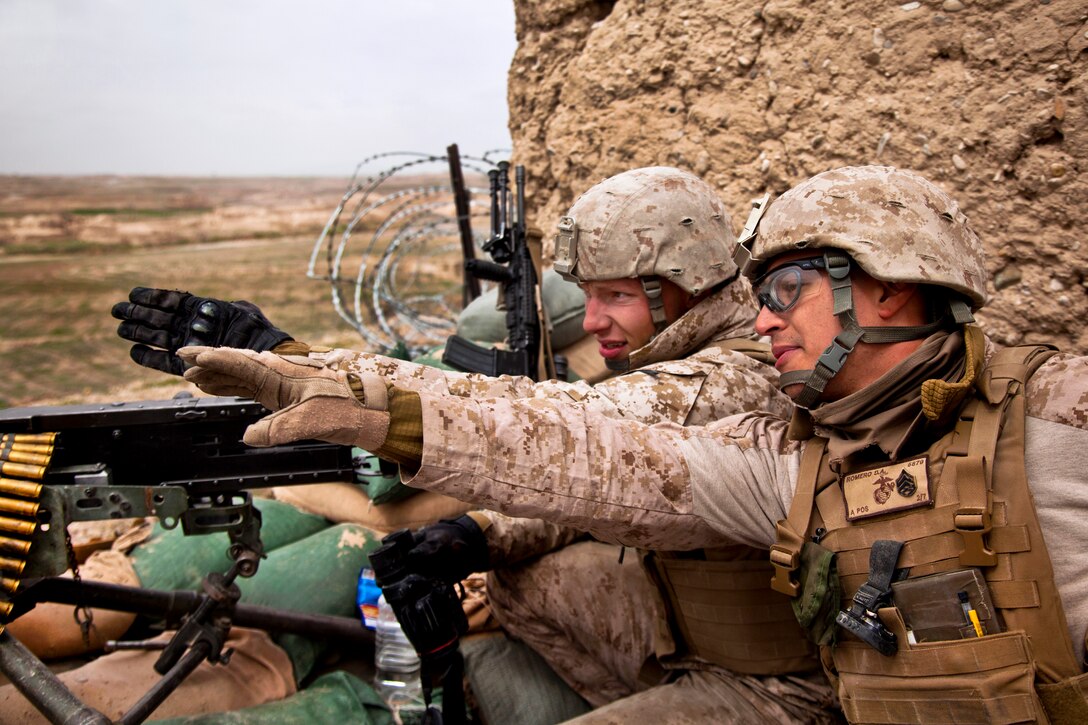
(515, 271)
(464, 224)
(181, 460)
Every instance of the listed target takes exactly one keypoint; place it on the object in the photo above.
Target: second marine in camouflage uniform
(592, 618)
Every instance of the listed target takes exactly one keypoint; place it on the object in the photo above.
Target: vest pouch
(1066, 701)
(726, 613)
(817, 601)
(988, 679)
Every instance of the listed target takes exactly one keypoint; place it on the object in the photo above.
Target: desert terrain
(70, 247)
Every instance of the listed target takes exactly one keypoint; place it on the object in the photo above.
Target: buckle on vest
(973, 524)
(785, 563)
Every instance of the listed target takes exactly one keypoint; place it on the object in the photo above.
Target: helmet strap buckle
(652, 287)
(742, 250)
(566, 248)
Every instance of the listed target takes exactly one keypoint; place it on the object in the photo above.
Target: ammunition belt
(24, 459)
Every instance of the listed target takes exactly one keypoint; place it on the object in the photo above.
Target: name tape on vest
(894, 487)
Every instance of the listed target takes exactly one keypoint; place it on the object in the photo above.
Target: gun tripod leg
(41, 687)
(166, 686)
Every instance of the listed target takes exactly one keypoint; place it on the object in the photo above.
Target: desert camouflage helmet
(893, 224)
(651, 223)
(896, 225)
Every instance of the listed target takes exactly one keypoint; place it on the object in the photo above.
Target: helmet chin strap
(834, 357)
(651, 286)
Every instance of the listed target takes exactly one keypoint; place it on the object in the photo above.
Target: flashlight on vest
(861, 619)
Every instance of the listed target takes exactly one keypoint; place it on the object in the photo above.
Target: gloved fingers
(163, 299)
(216, 383)
(135, 332)
(156, 359)
(334, 419)
(232, 361)
(149, 316)
(273, 381)
(426, 547)
(190, 353)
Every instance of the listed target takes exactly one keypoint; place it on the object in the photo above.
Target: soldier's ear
(896, 299)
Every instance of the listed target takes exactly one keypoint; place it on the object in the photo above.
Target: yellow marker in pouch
(970, 614)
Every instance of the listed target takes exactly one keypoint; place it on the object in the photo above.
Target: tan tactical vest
(717, 605)
(718, 609)
(982, 515)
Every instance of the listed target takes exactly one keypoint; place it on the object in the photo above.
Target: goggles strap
(834, 357)
(838, 272)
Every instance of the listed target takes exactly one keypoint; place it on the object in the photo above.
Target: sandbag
(346, 502)
(337, 697)
(171, 560)
(565, 302)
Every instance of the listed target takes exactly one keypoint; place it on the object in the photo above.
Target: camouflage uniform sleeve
(710, 385)
(511, 540)
(1056, 458)
(1058, 392)
(660, 486)
(420, 378)
(739, 384)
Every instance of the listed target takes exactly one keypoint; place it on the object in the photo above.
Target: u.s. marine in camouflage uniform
(650, 248)
(866, 277)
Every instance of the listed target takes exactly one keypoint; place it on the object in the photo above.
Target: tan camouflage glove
(312, 402)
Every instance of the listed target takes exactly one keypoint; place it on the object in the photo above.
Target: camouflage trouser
(698, 697)
(593, 621)
(589, 616)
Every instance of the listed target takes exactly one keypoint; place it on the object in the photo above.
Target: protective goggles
(780, 288)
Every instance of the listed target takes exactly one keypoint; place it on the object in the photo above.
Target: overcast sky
(247, 87)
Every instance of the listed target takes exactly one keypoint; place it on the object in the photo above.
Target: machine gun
(514, 269)
(181, 460)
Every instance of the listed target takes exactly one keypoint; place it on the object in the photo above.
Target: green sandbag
(171, 560)
(565, 302)
(337, 697)
(512, 683)
(315, 575)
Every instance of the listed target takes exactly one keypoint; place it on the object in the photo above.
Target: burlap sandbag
(51, 631)
(347, 503)
(258, 672)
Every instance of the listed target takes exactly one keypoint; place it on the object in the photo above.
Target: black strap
(861, 619)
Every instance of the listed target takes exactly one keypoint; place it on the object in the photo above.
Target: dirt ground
(72, 247)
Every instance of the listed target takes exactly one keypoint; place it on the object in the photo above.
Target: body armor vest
(981, 516)
(717, 606)
(718, 609)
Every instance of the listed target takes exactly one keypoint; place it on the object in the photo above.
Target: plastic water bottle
(366, 598)
(397, 664)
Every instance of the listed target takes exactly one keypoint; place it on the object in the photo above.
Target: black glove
(169, 320)
(449, 550)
